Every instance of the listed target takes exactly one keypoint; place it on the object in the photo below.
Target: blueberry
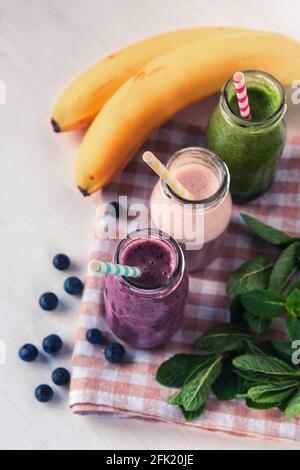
(94, 336)
(28, 353)
(61, 377)
(44, 393)
(52, 344)
(114, 353)
(73, 286)
(113, 209)
(48, 301)
(61, 262)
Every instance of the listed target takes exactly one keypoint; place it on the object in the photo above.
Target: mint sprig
(233, 360)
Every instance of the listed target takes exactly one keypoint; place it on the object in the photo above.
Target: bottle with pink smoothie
(147, 311)
(199, 225)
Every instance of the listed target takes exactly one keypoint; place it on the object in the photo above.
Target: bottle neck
(179, 262)
(269, 85)
(201, 157)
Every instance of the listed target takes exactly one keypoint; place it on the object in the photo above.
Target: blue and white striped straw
(114, 269)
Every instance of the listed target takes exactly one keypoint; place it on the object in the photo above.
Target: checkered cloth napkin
(130, 389)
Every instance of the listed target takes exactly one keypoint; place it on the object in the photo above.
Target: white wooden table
(43, 45)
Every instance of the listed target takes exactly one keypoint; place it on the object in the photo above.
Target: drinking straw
(242, 95)
(116, 269)
(166, 176)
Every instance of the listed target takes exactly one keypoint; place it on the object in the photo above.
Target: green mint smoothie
(250, 148)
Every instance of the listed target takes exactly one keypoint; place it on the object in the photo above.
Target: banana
(80, 103)
(166, 85)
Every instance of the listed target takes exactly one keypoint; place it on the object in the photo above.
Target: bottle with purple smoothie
(147, 311)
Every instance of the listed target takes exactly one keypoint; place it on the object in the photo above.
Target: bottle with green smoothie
(251, 148)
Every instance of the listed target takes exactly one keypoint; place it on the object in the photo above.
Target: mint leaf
(175, 399)
(221, 338)
(260, 378)
(293, 406)
(292, 325)
(293, 303)
(264, 365)
(260, 406)
(268, 233)
(251, 275)
(294, 285)
(285, 267)
(258, 324)
(229, 384)
(191, 415)
(264, 303)
(196, 391)
(174, 372)
(284, 347)
(272, 393)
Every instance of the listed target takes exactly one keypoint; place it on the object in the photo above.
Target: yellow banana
(82, 100)
(168, 84)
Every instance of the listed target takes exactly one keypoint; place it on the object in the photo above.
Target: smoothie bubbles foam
(250, 145)
(147, 309)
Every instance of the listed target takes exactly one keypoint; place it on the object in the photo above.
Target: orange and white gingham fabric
(130, 389)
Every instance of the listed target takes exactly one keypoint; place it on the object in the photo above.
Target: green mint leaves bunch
(265, 290)
(233, 360)
(232, 363)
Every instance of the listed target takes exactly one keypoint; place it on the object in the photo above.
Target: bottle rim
(215, 160)
(146, 233)
(278, 114)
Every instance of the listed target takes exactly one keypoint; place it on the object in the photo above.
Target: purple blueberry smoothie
(146, 312)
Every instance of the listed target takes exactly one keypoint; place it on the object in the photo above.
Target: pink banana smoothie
(198, 179)
(199, 225)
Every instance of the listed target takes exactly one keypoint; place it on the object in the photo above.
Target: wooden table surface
(43, 45)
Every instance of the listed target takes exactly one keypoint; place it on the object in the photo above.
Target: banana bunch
(131, 93)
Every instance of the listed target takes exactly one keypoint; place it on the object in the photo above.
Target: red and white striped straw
(242, 95)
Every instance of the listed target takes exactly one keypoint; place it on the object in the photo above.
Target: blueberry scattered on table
(61, 377)
(114, 209)
(114, 353)
(94, 336)
(48, 301)
(61, 262)
(44, 393)
(73, 286)
(28, 353)
(52, 344)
